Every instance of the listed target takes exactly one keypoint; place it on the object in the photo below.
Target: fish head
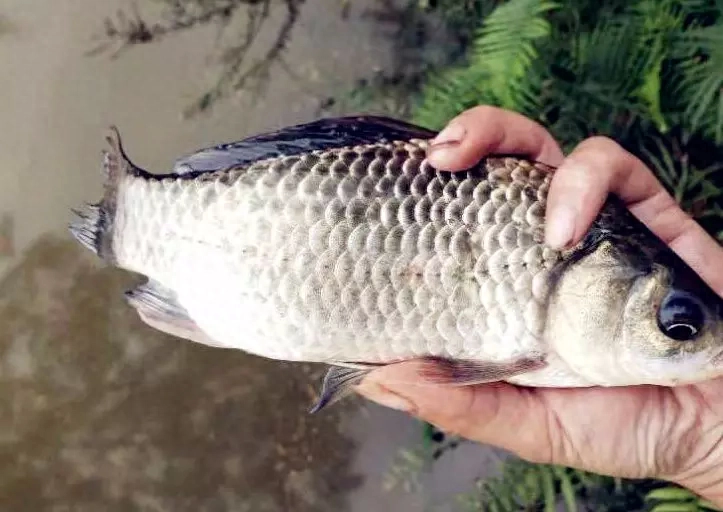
(625, 309)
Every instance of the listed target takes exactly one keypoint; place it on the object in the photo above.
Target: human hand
(667, 433)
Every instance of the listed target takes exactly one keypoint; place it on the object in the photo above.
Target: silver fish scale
(355, 254)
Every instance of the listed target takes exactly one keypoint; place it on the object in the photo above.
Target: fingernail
(383, 396)
(452, 134)
(560, 226)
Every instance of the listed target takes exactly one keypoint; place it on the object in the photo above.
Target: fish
(337, 242)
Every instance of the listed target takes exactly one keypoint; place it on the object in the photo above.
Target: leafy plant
(523, 486)
(541, 487)
(585, 69)
(647, 73)
(499, 59)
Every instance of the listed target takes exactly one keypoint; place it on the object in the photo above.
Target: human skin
(672, 434)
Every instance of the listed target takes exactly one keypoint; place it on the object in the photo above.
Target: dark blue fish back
(317, 135)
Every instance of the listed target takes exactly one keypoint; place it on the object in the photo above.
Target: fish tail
(93, 226)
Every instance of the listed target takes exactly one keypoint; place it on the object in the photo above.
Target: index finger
(486, 130)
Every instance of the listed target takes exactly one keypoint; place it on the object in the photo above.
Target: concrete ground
(99, 412)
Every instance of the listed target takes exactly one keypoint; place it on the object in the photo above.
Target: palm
(633, 432)
(628, 432)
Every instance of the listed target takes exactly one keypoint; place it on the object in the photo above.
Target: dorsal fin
(321, 134)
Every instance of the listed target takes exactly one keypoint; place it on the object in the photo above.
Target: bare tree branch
(130, 28)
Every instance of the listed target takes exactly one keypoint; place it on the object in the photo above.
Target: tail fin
(86, 227)
(93, 227)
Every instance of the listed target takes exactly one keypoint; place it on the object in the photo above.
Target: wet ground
(99, 412)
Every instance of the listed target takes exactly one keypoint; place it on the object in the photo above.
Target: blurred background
(100, 412)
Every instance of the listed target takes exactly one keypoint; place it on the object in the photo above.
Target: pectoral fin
(159, 308)
(338, 383)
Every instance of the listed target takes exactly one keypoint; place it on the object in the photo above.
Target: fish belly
(361, 254)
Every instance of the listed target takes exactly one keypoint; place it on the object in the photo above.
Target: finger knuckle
(483, 115)
(596, 154)
(685, 231)
(598, 149)
(599, 142)
(483, 111)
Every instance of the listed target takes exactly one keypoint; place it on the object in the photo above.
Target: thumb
(499, 414)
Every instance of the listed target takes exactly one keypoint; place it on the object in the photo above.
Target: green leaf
(650, 94)
(670, 493)
(497, 63)
(532, 487)
(568, 493)
(675, 507)
(700, 88)
(548, 488)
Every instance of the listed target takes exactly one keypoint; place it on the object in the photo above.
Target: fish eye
(681, 316)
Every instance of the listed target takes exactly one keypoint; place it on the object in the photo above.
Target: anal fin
(159, 308)
(454, 372)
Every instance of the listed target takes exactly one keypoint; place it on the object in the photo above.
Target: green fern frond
(446, 96)
(604, 65)
(499, 59)
(659, 21)
(693, 188)
(567, 488)
(608, 80)
(700, 9)
(509, 54)
(700, 52)
(521, 485)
